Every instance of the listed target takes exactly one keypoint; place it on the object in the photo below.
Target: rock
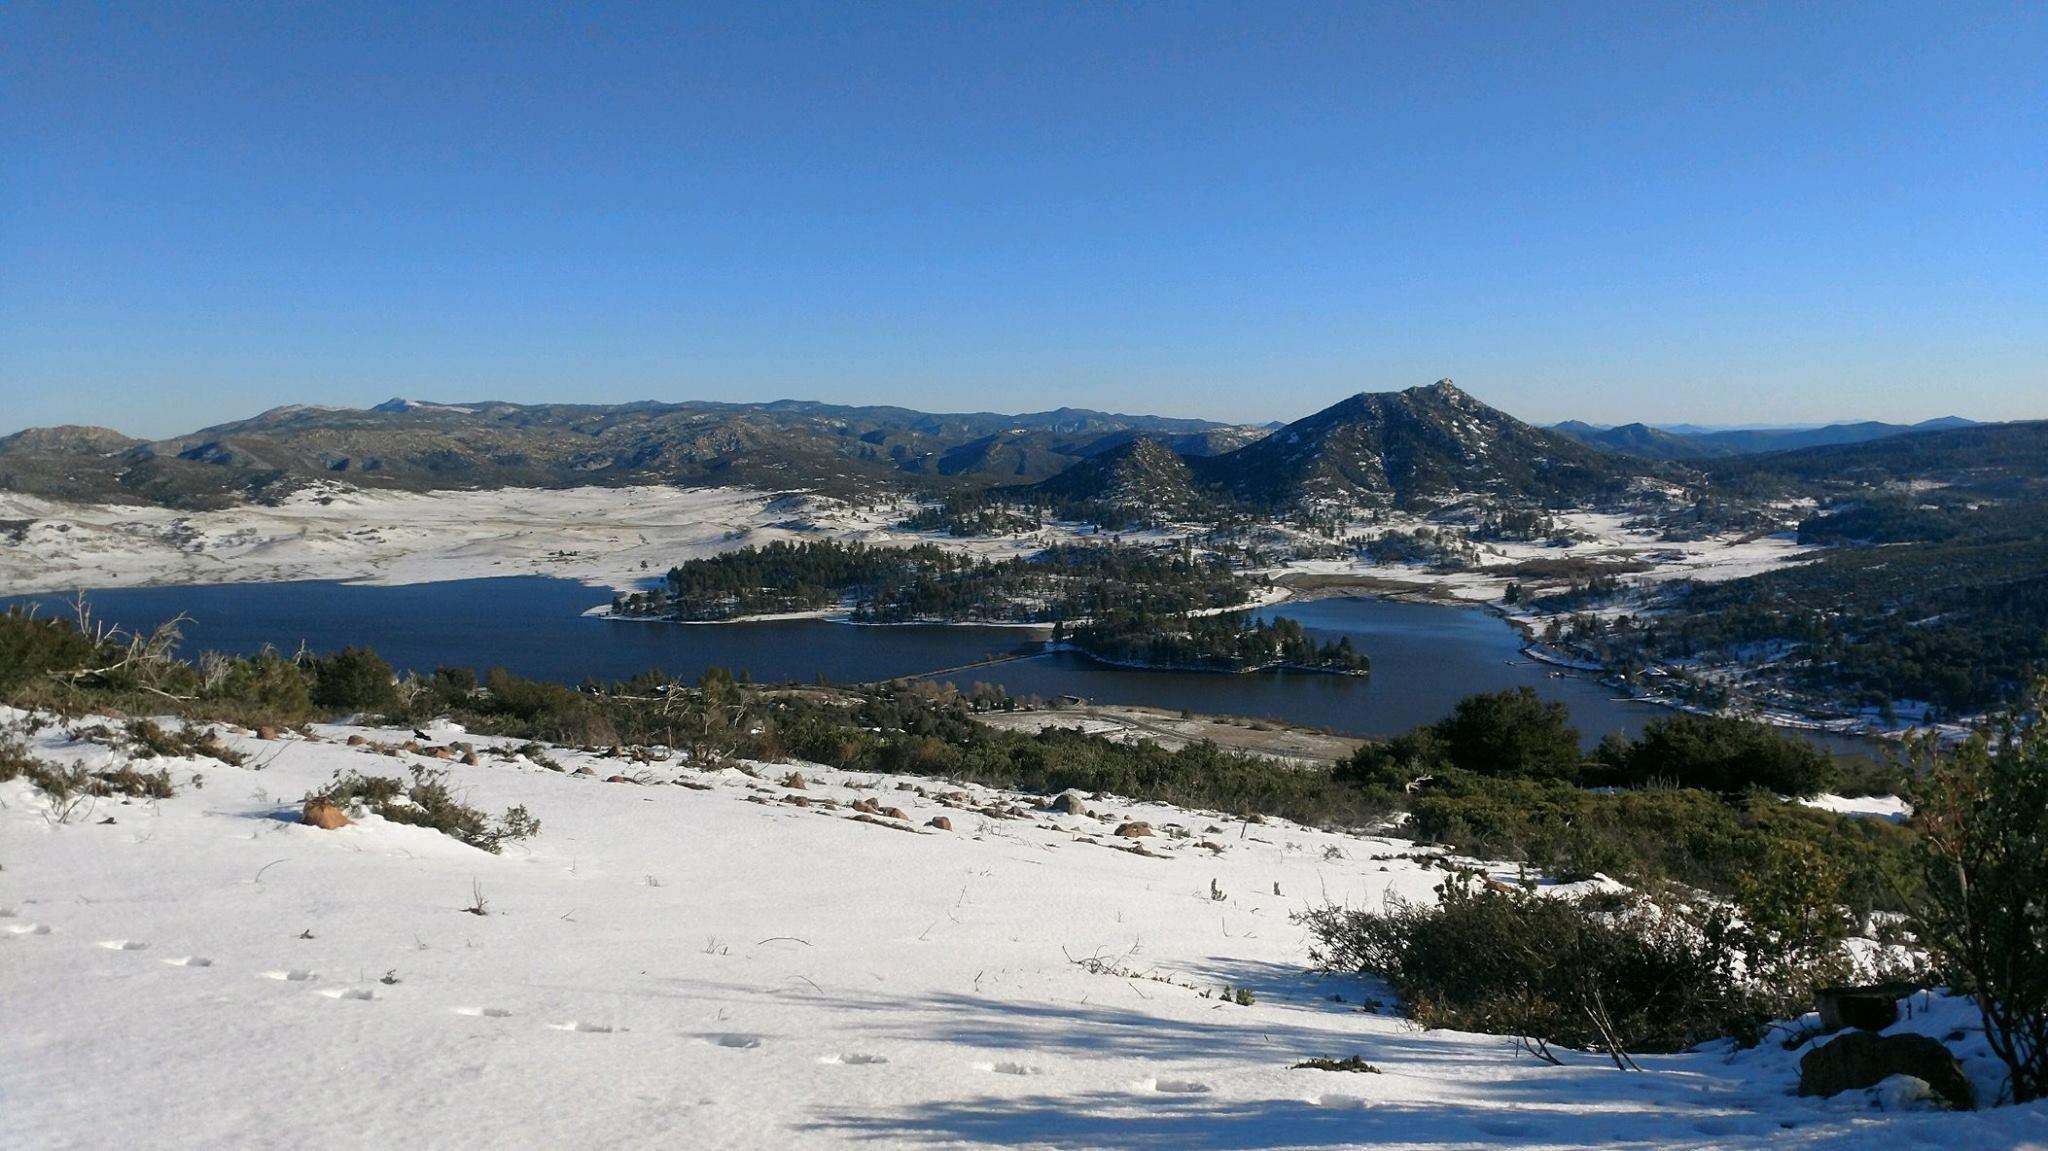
(895, 813)
(1133, 829)
(1871, 1008)
(584, 771)
(356, 741)
(866, 805)
(1861, 1059)
(795, 781)
(265, 731)
(796, 800)
(616, 779)
(443, 753)
(941, 822)
(469, 759)
(1069, 803)
(323, 814)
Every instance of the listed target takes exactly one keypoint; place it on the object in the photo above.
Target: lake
(1425, 657)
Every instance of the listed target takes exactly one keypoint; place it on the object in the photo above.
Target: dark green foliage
(1511, 733)
(1230, 641)
(149, 739)
(1643, 836)
(353, 679)
(427, 802)
(32, 646)
(1348, 1063)
(1717, 754)
(1985, 806)
(64, 784)
(925, 582)
(1594, 972)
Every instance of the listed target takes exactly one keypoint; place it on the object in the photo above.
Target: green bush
(1717, 754)
(1597, 972)
(1985, 856)
(34, 646)
(353, 680)
(1511, 733)
(427, 802)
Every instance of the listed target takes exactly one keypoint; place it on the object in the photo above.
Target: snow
(667, 966)
(1886, 807)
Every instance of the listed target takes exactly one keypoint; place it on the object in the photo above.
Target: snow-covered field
(1600, 537)
(688, 959)
(617, 537)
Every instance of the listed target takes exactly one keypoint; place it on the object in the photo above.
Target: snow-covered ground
(1887, 807)
(711, 965)
(1598, 537)
(617, 537)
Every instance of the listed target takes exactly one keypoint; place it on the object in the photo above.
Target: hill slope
(1412, 448)
(712, 966)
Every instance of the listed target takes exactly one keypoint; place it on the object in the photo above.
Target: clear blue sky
(1706, 212)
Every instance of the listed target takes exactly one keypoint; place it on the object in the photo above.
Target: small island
(1140, 606)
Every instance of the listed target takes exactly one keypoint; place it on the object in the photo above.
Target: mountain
(1412, 448)
(1685, 442)
(416, 445)
(1990, 459)
(1140, 479)
(1637, 440)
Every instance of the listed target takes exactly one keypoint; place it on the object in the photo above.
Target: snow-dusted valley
(734, 957)
(619, 537)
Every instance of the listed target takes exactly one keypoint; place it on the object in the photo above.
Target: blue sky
(1711, 213)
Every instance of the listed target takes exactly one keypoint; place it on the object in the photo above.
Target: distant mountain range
(1686, 442)
(416, 445)
(1415, 449)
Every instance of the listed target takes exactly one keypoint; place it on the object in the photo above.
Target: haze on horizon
(1758, 215)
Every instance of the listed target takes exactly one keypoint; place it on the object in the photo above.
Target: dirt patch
(1174, 730)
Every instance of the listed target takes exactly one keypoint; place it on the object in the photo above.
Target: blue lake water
(1425, 657)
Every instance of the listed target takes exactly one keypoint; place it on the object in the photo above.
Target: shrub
(1985, 812)
(427, 802)
(1510, 733)
(1596, 972)
(353, 679)
(149, 739)
(32, 646)
(1718, 754)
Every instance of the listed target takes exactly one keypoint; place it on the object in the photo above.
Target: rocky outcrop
(1863, 1059)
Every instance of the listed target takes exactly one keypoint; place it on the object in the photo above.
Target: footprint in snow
(1180, 1086)
(1008, 1068)
(584, 1027)
(851, 1059)
(1723, 1128)
(125, 945)
(484, 1012)
(296, 975)
(190, 961)
(27, 929)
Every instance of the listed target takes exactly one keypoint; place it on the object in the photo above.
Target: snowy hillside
(718, 959)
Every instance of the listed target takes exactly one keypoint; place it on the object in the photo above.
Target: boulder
(795, 781)
(1134, 829)
(357, 741)
(1861, 1059)
(265, 731)
(1069, 803)
(941, 822)
(323, 814)
(1871, 1008)
(895, 813)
